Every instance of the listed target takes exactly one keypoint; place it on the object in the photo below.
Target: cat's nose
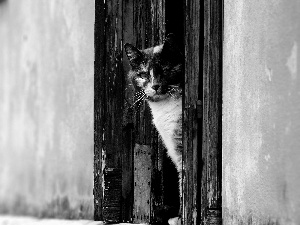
(155, 87)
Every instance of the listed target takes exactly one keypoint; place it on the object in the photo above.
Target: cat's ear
(134, 55)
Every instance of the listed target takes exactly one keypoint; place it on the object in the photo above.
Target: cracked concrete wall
(261, 112)
(46, 107)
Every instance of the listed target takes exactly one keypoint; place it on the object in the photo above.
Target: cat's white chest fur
(166, 118)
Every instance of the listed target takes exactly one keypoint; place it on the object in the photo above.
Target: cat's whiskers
(174, 90)
(141, 96)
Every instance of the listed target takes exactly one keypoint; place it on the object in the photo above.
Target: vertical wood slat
(112, 100)
(114, 83)
(142, 183)
(99, 95)
(108, 110)
(113, 135)
(211, 199)
(190, 125)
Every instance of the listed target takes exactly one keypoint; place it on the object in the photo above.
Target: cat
(157, 74)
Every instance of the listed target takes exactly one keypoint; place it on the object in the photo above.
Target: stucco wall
(261, 112)
(46, 107)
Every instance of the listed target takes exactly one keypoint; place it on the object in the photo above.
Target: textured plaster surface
(13, 220)
(261, 112)
(46, 107)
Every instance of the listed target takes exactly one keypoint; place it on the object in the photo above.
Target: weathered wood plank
(190, 123)
(112, 194)
(211, 199)
(114, 88)
(127, 169)
(142, 183)
(109, 97)
(98, 109)
(114, 85)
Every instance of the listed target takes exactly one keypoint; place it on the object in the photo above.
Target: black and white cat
(157, 74)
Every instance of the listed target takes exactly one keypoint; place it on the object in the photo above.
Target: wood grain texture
(202, 113)
(99, 97)
(119, 127)
(211, 199)
(142, 183)
(190, 123)
(109, 105)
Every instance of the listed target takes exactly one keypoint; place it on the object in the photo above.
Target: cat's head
(158, 71)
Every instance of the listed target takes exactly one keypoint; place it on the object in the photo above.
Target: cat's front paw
(175, 221)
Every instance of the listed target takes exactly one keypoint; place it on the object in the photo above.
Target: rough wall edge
(59, 208)
(233, 218)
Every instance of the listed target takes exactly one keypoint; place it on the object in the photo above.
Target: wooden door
(131, 168)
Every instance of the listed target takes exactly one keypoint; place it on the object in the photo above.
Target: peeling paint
(102, 169)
